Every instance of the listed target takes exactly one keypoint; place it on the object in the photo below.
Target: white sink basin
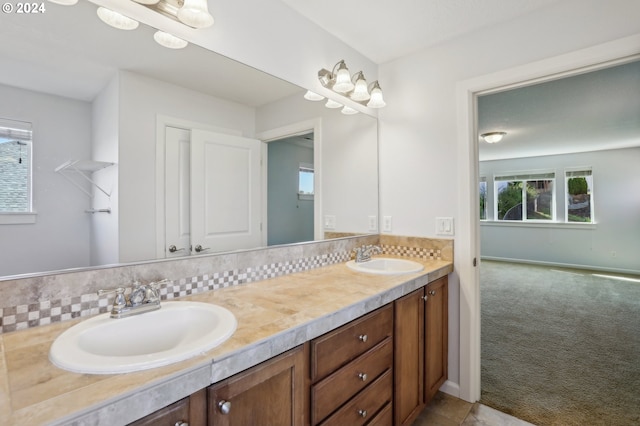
(386, 266)
(175, 332)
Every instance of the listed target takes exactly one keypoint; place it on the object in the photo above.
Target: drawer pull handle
(362, 376)
(362, 413)
(224, 406)
(363, 338)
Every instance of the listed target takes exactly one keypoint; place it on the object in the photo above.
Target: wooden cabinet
(420, 349)
(352, 372)
(271, 393)
(191, 410)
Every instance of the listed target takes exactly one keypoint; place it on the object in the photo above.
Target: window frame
(27, 216)
(525, 177)
(574, 172)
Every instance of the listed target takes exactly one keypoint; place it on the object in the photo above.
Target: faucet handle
(120, 301)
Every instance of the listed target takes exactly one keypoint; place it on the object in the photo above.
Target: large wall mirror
(135, 148)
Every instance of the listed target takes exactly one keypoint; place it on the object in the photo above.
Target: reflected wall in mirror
(91, 95)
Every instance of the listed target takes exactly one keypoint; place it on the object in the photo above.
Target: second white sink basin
(386, 266)
(175, 332)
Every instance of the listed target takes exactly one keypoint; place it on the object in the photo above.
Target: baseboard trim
(562, 265)
(451, 388)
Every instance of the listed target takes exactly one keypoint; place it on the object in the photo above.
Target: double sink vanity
(347, 343)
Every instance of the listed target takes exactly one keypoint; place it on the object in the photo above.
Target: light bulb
(116, 19)
(360, 92)
(195, 13)
(169, 40)
(376, 101)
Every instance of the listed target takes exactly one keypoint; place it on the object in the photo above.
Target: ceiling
(384, 30)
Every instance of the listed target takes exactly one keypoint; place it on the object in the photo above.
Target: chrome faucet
(142, 298)
(363, 254)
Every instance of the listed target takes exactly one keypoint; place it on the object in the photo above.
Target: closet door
(177, 192)
(225, 192)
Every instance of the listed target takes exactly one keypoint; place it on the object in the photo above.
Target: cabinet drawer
(337, 388)
(384, 417)
(336, 348)
(365, 405)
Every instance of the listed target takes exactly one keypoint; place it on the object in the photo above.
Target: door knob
(199, 248)
(173, 248)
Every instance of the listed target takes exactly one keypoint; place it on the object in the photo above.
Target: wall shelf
(83, 168)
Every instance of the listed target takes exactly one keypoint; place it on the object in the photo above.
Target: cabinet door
(409, 357)
(191, 410)
(271, 393)
(436, 333)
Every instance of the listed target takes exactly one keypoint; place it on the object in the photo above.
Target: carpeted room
(561, 343)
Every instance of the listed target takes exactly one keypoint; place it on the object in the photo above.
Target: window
(579, 195)
(525, 197)
(483, 198)
(15, 166)
(305, 181)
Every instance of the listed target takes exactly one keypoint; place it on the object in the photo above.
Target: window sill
(530, 224)
(18, 218)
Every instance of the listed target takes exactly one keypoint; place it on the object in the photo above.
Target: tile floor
(446, 410)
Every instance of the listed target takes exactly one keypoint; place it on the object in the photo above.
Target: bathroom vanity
(314, 347)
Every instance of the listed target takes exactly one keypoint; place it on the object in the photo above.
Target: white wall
(419, 159)
(104, 227)
(141, 100)
(61, 131)
(616, 210)
(349, 158)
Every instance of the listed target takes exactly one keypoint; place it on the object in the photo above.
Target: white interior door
(226, 183)
(178, 192)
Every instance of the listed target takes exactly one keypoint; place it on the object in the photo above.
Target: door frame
(293, 129)
(163, 121)
(468, 236)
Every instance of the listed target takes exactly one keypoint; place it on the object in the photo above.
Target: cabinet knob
(363, 338)
(425, 298)
(181, 423)
(362, 376)
(362, 413)
(224, 406)
(432, 292)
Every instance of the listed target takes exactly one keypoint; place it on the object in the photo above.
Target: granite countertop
(273, 316)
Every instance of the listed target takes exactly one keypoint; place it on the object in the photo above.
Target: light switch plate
(373, 223)
(386, 224)
(329, 222)
(444, 226)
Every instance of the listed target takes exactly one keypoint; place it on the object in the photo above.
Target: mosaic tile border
(415, 252)
(47, 312)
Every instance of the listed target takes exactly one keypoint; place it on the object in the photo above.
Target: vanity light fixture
(347, 110)
(169, 40)
(493, 137)
(312, 96)
(116, 20)
(333, 104)
(354, 87)
(64, 2)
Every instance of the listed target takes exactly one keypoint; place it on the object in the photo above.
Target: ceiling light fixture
(348, 110)
(354, 87)
(64, 2)
(333, 104)
(493, 137)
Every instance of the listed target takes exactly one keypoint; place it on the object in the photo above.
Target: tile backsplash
(45, 299)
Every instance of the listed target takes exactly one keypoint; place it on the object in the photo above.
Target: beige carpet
(560, 346)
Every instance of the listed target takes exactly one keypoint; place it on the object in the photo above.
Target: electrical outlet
(444, 226)
(373, 223)
(386, 224)
(329, 222)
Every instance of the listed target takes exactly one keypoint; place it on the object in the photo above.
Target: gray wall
(612, 243)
